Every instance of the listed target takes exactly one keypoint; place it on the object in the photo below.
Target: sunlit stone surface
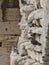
(34, 27)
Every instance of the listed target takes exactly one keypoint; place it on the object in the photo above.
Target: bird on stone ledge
(35, 42)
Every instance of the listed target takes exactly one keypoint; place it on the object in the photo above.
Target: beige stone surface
(13, 14)
(4, 57)
(34, 30)
(9, 28)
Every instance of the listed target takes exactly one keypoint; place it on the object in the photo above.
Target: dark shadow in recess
(3, 7)
(0, 44)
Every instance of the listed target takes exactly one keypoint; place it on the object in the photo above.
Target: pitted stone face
(33, 38)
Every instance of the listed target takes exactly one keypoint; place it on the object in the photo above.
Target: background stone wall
(9, 28)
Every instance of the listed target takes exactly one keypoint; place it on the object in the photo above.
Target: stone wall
(9, 29)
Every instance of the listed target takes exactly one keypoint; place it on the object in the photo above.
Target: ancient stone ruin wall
(9, 28)
(32, 44)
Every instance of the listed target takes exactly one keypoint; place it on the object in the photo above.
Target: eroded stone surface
(34, 27)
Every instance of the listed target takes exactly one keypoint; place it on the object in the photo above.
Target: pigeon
(23, 2)
(35, 42)
(15, 49)
(30, 24)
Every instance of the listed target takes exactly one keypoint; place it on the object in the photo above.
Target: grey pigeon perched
(14, 48)
(23, 2)
(30, 24)
(35, 42)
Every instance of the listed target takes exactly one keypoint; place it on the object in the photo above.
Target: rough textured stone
(34, 27)
(13, 14)
(9, 28)
(31, 46)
